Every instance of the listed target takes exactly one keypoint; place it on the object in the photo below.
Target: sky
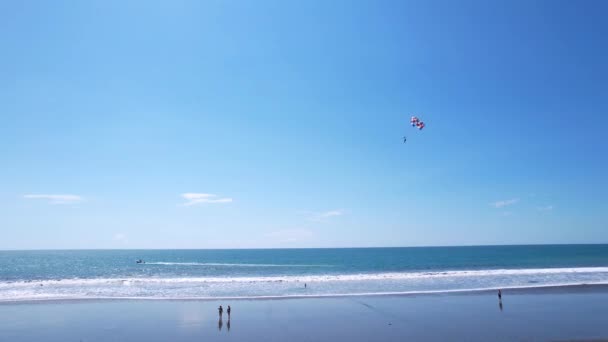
(278, 124)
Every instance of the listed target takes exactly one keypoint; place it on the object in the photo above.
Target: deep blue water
(26, 275)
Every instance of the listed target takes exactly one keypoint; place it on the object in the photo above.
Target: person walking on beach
(220, 310)
(499, 295)
(228, 311)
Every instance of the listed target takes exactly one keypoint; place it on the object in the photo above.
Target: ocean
(280, 273)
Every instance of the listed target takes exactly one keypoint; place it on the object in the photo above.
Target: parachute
(416, 123)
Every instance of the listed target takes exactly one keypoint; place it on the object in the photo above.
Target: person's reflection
(228, 324)
(500, 304)
(219, 324)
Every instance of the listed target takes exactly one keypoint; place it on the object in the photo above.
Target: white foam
(228, 265)
(317, 278)
(56, 297)
(291, 286)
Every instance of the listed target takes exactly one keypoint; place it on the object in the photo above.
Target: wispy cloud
(321, 216)
(545, 208)
(120, 237)
(198, 198)
(504, 203)
(56, 199)
(290, 235)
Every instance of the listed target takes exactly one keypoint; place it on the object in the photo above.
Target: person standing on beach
(228, 311)
(220, 310)
(499, 294)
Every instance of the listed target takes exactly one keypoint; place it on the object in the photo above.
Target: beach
(340, 171)
(576, 313)
(550, 293)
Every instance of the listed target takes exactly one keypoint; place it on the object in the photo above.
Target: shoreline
(518, 290)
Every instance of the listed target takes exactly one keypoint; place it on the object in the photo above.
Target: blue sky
(233, 124)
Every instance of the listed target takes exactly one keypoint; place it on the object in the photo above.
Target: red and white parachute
(416, 122)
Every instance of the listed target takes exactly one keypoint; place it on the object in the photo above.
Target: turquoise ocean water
(198, 274)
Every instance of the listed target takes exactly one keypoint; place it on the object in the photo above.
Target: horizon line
(299, 248)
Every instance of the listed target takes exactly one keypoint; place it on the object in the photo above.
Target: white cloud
(545, 208)
(325, 215)
(290, 235)
(331, 213)
(56, 199)
(198, 198)
(504, 203)
(120, 237)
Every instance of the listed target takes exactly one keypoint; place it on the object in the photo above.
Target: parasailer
(416, 123)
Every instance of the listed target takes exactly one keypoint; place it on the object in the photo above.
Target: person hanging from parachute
(415, 122)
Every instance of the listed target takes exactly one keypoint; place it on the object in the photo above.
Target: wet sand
(552, 314)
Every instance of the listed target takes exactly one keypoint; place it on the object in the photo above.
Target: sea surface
(278, 273)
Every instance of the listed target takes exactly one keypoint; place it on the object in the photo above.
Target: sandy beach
(551, 314)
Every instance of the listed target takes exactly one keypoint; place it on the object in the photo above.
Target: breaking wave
(289, 286)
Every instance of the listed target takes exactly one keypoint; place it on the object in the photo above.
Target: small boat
(140, 261)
